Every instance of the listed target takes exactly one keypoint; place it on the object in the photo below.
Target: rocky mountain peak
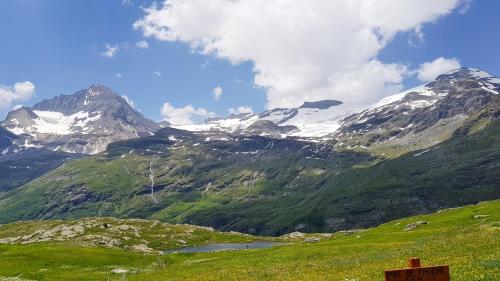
(98, 89)
(465, 73)
(95, 98)
(84, 122)
(322, 104)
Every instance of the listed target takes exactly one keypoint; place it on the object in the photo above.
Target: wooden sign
(417, 273)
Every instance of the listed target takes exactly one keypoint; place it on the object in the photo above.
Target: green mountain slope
(467, 239)
(265, 186)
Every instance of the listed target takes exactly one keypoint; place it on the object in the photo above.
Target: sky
(186, 60)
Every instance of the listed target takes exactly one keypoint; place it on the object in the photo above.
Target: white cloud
(430, 70)
(118, 75)
(21, 91)
(129, 101)
(465, 6)
(305, 50)
(240, 109)
(157, 73)
(110, 51)
(17, 106)
(142, 44)
(127, 3)
(217, 93)
(183, 115)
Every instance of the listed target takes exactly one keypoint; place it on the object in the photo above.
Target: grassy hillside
(29, 164)
(468, 239)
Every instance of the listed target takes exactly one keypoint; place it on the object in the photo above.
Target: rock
(294, 235)
(143, 248)
(72, 231)
(119, 270)
(413, 226)
(124, 228)
(9, 240)
(312, 240)
(102, 240)
(478, 217)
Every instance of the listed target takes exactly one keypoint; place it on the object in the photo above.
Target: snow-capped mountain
(312, 119)
(421, 116)
(85, 122)
(439, 106)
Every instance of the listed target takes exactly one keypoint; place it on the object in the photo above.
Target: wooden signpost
(415, 272)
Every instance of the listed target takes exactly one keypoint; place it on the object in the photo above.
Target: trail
(152, 178)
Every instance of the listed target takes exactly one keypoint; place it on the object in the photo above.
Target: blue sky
(58, 46)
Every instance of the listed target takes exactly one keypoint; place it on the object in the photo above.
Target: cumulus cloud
(430, 70)
(183, 115)
(240, 109)
(217, 92)
(157, 73)
(305, 50)
(129, 101)
(110, 51)
(21, 91)
(142, 44)
(17, 106)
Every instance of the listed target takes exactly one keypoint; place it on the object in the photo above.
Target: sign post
(416, 272)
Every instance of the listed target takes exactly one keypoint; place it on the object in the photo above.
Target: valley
(362, 174)
(466, 238)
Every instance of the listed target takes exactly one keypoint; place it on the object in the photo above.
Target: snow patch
(56, 123)
(489, 90)
(420, 153)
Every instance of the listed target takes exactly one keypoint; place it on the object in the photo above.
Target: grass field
(468, 239)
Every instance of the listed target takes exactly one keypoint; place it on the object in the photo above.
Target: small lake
(224, 247)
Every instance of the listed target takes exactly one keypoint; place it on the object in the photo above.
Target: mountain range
(318, 167)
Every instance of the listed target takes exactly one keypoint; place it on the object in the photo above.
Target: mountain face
(85, 122)
(36, 140)
(266, 185)
(419, 117)
(6, 138)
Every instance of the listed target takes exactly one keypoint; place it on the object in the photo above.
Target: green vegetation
(27, 166)
(468, 239)
(132, 234)
(263, 186)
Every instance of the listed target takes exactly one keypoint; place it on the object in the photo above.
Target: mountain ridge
(263, 185)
